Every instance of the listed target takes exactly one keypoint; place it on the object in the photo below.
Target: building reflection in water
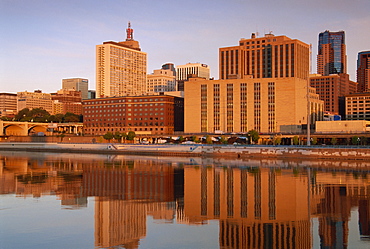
(257, 206)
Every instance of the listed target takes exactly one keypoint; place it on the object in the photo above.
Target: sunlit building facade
(358, 106)
(121, 68)
(77, 84)
(36, 99)
(331, 57)
(161, 80)
(8, 104)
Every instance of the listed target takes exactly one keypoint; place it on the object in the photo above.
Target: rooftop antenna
(130, 33)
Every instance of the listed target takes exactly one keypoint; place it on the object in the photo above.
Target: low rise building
(36, 99)
(358, 106)
(266, 105)
(8, 104)
(146, 114)
(343, 126)
(67, 100)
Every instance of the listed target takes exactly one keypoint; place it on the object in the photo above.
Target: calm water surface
(52, 200)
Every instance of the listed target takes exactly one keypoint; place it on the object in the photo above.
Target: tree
(108, 136)
(334, 141)
(355, 140)
(277, 140)
(223, 140)
(118, 135)
(295, 140)
(131, 135)
(181, 139)
(194, 139)
(314, 140)
(253, 136)
(208, 139)
(71, 117)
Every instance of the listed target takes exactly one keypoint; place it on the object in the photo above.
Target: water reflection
(258, 203)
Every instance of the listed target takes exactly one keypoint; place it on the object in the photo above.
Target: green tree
(71, 117)
(334, 140)
(108, 136)
(253, 136)
(181, 139)
(194, 139)
(208, 139)
(223, 140)
(118, 135)
(314, 140)
(295, 140)
(131, 135)
(277, 140)
(355, 140)
(21, 114)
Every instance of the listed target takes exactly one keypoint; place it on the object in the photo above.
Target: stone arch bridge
(13, 128)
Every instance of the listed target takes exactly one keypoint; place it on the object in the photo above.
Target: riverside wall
(229, 151)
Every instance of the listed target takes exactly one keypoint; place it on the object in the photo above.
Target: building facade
(358, 106)
(67, 101)
(77, 84)
(8, 104)
(156, 114)
(198, 69)
(36, 99)
(265, 57)
(332, 89)
(161, 80)
(120, 68)
(239, 105)
(363, 71)
(332, 57)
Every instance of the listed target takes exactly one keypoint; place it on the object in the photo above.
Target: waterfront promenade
(202, 150)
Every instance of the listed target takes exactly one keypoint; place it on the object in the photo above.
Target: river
(66, 200)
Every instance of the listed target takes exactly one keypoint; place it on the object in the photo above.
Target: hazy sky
(44, 41)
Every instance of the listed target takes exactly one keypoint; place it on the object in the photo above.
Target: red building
(155, 114)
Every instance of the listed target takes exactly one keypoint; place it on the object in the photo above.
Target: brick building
(151, 114)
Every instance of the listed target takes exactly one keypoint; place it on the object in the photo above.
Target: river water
(50, 200)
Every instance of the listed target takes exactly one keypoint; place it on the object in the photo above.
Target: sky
(45, 41)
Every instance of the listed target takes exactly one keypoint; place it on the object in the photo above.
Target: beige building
(8, 104)
(36, 99)
(358, 106)
(332, 89)
(239, 105)
(265, 57)
(198, 69)
(120, 68)
(77, 84)
(161, 80)
(340, 126)
(263, 86)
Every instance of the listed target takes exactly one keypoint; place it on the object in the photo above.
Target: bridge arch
(15, 130)
(35, 129)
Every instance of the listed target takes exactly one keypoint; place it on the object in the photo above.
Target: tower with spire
(120, 68)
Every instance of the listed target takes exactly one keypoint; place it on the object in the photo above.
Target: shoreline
(198, 150)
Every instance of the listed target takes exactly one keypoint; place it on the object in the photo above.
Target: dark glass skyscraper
(331, 58)
(363, 71)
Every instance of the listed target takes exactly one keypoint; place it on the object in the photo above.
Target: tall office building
(184, 72)
(198, 69)
(363, 71)
(161, 80)
(120, 68)
(77, 84)
(331, 58)
(265, 57)
(263, 86)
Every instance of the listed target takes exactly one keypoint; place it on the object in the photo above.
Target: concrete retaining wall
(200, 150)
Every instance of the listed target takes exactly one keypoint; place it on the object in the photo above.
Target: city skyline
(42, 46)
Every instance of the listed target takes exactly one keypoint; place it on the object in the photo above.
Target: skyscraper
(77, 84)
(120, 68)
(363, 71)
(265, 57)
(331, 58)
